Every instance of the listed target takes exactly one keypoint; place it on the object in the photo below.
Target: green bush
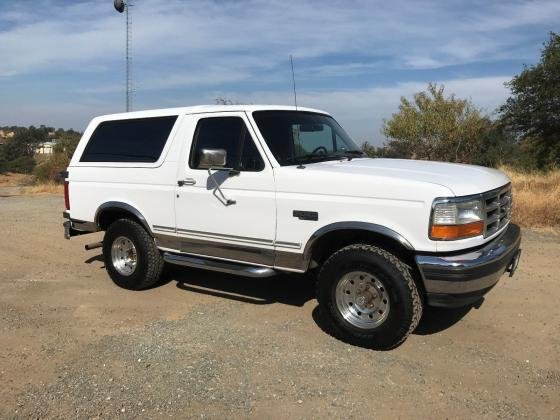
(23, 164)
(50, 169)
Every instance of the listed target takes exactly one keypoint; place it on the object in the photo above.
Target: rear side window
(134, 140)
(231, 134)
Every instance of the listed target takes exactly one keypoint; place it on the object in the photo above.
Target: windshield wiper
(349, 154)
(306, 158)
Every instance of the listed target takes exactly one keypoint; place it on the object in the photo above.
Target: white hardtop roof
(199, 109)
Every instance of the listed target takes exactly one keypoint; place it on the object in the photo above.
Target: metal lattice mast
(128, 57)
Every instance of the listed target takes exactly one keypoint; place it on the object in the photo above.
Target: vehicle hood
(459, 178)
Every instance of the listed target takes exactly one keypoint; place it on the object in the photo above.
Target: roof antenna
(293, 80)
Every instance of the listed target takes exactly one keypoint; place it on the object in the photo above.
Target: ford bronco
(258, 190)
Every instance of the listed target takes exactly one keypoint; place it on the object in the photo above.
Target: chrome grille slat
(492, 206)
(497, 207)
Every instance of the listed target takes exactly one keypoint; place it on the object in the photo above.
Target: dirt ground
(209, 345)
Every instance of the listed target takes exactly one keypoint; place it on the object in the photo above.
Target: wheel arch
(112, 210)
(322, 236)
(330, 238)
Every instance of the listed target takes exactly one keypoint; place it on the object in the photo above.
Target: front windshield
(296, 137)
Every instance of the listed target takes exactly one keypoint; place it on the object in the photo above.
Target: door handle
(186, 181)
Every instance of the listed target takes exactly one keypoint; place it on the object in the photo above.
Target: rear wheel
(131, 255)
(368, 297)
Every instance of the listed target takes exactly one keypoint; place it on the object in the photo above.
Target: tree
(25, 141)
(533, 109)
(435, 127)
(225, 101)
(66, 144)
(498, 146)
(17, 154)
(372, 151)
(67, 141)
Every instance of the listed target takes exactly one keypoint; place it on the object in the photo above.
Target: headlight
(456, 218)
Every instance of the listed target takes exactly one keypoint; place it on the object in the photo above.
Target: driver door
(220, 215)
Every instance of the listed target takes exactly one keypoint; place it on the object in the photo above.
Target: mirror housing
(212, 158)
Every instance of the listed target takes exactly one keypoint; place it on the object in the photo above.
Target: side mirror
(212, 158)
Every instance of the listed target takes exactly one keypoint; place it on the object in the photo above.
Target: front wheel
(368, 297)
(131, 256)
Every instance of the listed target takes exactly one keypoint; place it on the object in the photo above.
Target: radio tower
(124, 6)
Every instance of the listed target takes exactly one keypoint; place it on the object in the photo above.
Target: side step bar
(221, 266)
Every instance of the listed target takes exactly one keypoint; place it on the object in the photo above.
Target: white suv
(256, 190)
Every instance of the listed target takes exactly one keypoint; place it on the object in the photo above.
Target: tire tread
(403, 268)
(154, 261)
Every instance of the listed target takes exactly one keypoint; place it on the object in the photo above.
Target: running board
(215, 265)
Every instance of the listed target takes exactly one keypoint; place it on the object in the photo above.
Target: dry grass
(536, 198)
(43, 188)
(26, 184)
(11, 179)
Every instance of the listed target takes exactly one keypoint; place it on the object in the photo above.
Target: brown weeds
(43, 188)
(536, 197)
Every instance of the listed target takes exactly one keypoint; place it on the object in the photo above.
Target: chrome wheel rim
(124, 256)
(362, 300)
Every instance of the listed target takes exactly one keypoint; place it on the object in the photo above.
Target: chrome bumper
(458, 279)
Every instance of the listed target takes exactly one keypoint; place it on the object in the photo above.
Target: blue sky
(62, 62)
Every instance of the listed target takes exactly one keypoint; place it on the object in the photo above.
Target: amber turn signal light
(450, 232)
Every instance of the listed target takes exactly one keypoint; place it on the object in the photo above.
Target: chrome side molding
(216, 265)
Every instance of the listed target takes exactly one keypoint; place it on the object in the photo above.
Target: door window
(230, 134)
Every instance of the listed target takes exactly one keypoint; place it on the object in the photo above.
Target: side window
(230, 134)
(131, 140)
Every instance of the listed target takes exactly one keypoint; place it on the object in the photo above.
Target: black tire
(405, 304)
(149, 262)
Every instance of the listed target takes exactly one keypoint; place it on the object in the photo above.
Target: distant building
(6, 134)
(46, 148)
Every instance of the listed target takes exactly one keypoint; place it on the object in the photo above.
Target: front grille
(497, 205)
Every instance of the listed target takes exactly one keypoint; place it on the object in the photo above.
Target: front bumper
(461, 278)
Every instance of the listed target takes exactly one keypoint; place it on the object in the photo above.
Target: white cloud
(417, 34)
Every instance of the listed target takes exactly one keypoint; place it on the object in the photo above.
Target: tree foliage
(67, 141)
(435, 127)
(533, 110)
(18, 152)
(24, 142)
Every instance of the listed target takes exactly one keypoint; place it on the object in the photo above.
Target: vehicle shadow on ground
(288, 289)
(95, 258)
(433, 321)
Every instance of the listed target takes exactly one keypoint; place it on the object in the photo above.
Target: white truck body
(278, 212)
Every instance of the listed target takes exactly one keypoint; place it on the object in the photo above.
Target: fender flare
(117, 205)
(364, 226)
